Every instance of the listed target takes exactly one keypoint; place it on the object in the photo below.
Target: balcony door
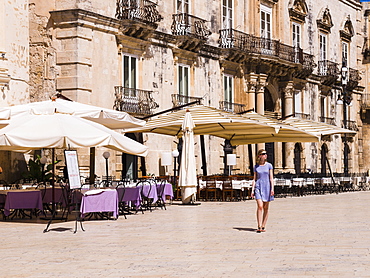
(266, 22)
(228, 92)
(323, 53)
(227, 14)
(296, 33)
(183, 85)
(182, 6)
(129, 75)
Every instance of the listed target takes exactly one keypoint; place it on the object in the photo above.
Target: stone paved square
(310, 236)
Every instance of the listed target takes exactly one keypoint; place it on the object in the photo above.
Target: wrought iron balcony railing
(179, 100)
(232, 107)
(351, 125)
(231, 38)
(327, 120)
(140, 10)
(135, 101)
(184, 24)
(328, 68)
(354, 78)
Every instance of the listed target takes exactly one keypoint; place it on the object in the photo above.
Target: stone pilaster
(262, 82)
(288, 92)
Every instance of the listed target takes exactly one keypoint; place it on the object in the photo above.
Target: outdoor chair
(211, 189)
(160, 185)
(146, 187)
(227, 189)
(123, 207)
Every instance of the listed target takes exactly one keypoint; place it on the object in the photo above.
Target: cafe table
(21, 199)
(168, 191)
(100, 200)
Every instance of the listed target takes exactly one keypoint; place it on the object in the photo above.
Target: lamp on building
(106, 155)
(230, 161)
(166, 160)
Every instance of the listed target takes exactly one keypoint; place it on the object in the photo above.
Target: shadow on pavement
(245, 229)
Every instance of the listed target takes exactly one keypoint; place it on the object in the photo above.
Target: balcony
(180, 100)
(354, 78)
(191, 31)
(241, 45)
(351, 125)
(327, 120)
(138, 18)
(134, 101)
(329, 72)
(232, 107)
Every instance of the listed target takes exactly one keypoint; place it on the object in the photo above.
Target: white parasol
(108, 117)
(188, 175)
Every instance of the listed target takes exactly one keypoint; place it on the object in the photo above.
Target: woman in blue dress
(262, 188)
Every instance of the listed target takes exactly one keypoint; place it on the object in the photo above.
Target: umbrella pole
(250, 154)
(204, 159)
(92, 167)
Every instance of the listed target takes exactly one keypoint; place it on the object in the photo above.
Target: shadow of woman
(245, 229)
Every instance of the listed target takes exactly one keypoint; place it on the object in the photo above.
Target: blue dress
(262, 189)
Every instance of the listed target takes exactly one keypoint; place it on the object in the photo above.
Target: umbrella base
(188, 194)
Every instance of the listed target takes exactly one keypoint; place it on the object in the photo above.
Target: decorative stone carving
(324, 21)
(347, 32)
(298, 11)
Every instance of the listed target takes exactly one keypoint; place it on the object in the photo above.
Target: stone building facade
(278, 57)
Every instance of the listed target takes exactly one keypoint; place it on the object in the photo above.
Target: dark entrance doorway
(298, 158)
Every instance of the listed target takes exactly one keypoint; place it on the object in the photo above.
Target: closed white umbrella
(188, 175)
(108, 117)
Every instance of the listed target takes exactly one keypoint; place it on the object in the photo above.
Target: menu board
(73, 169)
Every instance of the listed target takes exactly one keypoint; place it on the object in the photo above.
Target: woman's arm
(272, 181)
(253, 184)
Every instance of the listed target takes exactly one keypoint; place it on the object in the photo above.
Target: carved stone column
(251, 84)
(288, 90)
(260, 105)
(261, 94)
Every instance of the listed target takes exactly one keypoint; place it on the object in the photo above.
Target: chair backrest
(210, 183)
(160, 187)
(146, 188)
(121, 189)
(227, 184)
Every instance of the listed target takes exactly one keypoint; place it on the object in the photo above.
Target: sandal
(263, 229)
(259, 230)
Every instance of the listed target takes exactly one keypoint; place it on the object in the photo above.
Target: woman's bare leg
(265, 213)
(259, 212)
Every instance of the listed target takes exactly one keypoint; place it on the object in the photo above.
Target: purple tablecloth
(131, 194)
(28, 199)
(168, 191)
(47, 195)
(105, 201)
(150, 192)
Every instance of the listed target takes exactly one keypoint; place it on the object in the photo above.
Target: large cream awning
(287, 133)
(207, 120)
(240, 129)
(317, 128)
